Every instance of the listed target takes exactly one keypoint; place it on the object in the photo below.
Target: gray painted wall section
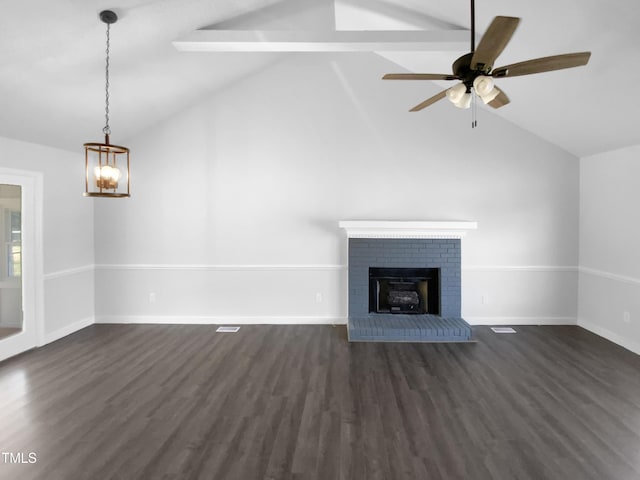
(404, 253)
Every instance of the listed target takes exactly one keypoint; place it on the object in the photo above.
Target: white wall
(609, 240)
(67, 233)
(236, 201)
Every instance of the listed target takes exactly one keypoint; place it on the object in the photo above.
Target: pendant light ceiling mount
(106, 165)
(108, 16)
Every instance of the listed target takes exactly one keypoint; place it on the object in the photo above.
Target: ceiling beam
(323, 41)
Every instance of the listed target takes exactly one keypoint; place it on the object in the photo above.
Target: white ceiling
(52, 68)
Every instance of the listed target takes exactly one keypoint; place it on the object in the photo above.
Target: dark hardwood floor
(298, 402)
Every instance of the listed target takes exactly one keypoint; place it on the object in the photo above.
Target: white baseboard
(68, 330)
(520, 320)
(611, 336)
(222, 320)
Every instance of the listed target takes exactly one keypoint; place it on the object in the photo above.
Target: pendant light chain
(107, 130)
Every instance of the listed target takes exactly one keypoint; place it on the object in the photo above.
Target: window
(13, 242)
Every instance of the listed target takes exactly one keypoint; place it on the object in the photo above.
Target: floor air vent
(228, 329)
(503, 330)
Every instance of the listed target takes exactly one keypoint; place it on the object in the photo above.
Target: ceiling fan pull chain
(474, 109)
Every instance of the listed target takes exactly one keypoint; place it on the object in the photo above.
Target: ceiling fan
(475, 69)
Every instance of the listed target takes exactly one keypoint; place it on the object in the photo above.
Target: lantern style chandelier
(106, 165)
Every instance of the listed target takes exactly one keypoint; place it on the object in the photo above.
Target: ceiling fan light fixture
(464, 102)
(490, 96)
(456, 93)
(483, 85)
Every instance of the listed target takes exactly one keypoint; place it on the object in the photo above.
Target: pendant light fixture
(106, 165)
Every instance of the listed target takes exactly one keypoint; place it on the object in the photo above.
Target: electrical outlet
(318, 297)
(152, 297)
(485, 299)
(626, 317)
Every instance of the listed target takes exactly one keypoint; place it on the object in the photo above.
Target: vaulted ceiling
(52, 61)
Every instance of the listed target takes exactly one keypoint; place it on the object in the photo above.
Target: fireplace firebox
(404, 290)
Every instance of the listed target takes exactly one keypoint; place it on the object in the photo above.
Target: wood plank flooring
(299, 402)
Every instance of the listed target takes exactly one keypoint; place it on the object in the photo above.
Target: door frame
(32, 334)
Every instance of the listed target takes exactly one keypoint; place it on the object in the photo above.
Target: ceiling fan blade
(544, 64)
(419, 76)
(429, 101)
(493, 42)
(500, 101)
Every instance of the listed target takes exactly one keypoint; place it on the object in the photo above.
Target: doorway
(21, 278)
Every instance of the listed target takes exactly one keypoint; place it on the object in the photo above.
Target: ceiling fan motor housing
(462, 69)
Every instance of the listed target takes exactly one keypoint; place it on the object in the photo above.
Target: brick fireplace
(440, 254)
(405, 281)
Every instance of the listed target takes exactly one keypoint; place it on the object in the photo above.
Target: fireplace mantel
(401, 229)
